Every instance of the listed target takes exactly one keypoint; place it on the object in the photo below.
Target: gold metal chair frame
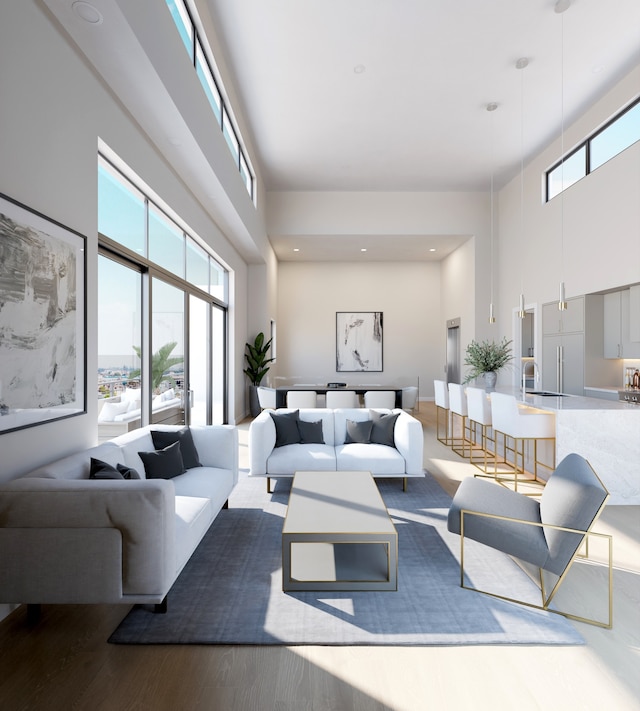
(548, 598)
(460, 445)
(481, 461)
(516, 473)
(446, 439)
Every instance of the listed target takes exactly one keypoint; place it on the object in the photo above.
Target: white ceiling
(415, 118)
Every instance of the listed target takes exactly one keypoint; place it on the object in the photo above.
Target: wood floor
(65, 663)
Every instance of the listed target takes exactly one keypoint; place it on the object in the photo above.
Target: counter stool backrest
(457, 399)
(478, 406)
(441, 394)
(504, 412)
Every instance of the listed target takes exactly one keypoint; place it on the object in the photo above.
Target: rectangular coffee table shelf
(338, 535)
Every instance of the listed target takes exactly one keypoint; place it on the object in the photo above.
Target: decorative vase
(490, 381)
(254, 403)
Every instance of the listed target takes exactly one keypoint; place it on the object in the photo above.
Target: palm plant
(161, 361)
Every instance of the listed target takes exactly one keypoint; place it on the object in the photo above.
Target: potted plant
(257, 368)
(486, 359)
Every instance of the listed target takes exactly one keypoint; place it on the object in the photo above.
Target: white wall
(310, 294)
(53, 111)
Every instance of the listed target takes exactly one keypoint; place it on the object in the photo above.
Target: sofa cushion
(163, 463)
(375, 458)
(310, 432)
(110, 410)
(301, 457)
(359, 432)
(287, 431)
(383, 427)
(103, 470)
(163, 438)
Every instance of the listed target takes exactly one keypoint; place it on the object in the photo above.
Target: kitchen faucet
(536, 375)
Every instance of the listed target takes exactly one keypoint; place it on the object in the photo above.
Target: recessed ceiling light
(522, 63)
(432, 249)
(359, 69)
(87, 12)
(296, 249)
(492, 106)
(561, 6)
(363, 249)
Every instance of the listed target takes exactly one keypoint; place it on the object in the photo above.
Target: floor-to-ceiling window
(162, 315)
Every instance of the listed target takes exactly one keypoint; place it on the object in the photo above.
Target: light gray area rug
(230, 592)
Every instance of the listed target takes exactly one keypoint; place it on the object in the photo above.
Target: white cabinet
(563, 363)
(571, 320)
(563, 347)
(620, 320)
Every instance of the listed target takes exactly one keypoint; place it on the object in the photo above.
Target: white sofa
(66, 538)
(402, 460)
(120, 414)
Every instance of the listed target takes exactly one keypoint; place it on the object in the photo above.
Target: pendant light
(560, 7)
(521, 64)
(491, 107)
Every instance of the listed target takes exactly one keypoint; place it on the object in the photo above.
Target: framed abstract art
(358, 341)
(42, 318)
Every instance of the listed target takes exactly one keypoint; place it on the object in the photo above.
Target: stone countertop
(568, 402)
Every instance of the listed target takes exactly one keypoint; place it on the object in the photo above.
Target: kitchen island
(605, 432)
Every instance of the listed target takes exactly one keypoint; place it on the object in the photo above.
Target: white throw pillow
(133, 405)
(111, 409)
(169, 394)
(130, 394)
(158, 401)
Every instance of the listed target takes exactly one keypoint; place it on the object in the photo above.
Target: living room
(58, 110)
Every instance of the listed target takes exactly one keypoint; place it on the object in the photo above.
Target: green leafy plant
(487, 357)
(160, 364)
(257, 361)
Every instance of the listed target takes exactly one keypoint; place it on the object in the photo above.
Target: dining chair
(267, 398)
(380, 398)
(302, 398)
(342, 398)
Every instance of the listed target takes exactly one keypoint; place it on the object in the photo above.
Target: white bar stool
(458, 408)
(520, 427)
(479, 414)
(441, 393)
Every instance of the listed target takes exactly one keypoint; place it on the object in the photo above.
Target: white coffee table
(338, 535)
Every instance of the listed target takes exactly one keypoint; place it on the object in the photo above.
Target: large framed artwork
(42, 319)
(358, 341)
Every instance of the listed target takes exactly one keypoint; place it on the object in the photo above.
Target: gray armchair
(546, 533)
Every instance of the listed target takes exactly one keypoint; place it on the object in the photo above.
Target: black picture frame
(43, 319)
(359, 341)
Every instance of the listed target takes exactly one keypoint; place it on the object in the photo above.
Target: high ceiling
(391, 95)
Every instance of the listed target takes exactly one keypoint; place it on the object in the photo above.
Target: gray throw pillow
(101, 470)
(164, 463)
(383, 427)
(358, 432)
(287, 431)
(163, 438)
(310, 432)
(127, 472)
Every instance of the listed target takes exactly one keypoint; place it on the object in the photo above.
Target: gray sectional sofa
(68, 538)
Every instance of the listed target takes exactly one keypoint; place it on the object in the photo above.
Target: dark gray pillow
(383, 426)
(127, 472)
(358, 432)
(310, 432)
(163, 463)
(102, 470)
(163, 438)
(287, 431)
